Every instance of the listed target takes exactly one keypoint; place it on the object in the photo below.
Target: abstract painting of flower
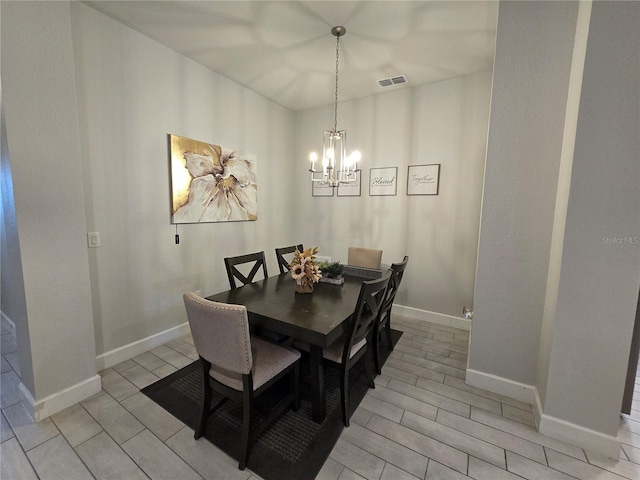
(210, 183)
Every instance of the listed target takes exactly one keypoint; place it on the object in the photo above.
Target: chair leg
(387, 329)
(344, 394)
(376, 351)
(206, 401)
(247, 410)
(294, 386)
(368, 367)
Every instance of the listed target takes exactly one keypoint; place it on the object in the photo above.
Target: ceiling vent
(387, 82)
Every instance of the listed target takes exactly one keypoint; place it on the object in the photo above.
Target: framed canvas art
(351, 189)
(383, 181)
(210, 183)
(321, 189)
(423, 179)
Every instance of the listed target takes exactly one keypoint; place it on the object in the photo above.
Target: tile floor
(421, 421)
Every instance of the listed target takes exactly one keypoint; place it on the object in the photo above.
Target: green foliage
(331, 270)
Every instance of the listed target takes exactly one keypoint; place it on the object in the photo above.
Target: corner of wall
(126, 352)
(582, 437)
(547, 425)
(433, 317)
(45, 407)
(503, 386)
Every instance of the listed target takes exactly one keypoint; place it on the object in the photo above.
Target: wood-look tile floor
(421, 421)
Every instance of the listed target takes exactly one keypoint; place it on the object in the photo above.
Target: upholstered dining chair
(364, 257)
(256, 259)
(283, 264)
(357, 342)
(238, 366)
(384, 318)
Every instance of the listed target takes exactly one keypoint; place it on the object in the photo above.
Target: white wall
(600, 276)
(443, 123)
(134, 92)
(562, 197)
(585, 282)
(102, 138)
(39, 98)
(530, 84)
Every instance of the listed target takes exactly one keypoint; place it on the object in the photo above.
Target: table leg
(317, 383)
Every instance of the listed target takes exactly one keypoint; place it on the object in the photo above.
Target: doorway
(632, 369)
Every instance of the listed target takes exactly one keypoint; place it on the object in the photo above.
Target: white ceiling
(284, 50)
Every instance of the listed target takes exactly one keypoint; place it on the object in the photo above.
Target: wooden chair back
(233, 273)
(283, 264)
(397, 272)
(363, 320)
(384, 317)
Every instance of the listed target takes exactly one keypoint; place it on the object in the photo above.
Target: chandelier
(337, 166)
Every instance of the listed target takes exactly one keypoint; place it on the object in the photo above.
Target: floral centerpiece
(304, 269)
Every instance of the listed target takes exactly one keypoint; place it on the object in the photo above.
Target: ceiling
(284, 50)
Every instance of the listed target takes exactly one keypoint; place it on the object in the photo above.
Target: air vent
(387, 82)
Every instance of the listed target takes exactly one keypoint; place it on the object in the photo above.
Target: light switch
(93, 239)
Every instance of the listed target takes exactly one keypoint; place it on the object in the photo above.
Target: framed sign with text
(423, 179)
(383, 181)
(350, 189)
(321, 189)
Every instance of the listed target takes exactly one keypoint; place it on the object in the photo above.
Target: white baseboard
(537, 407)
(547, 425)
(516, 390)
(580, 436)
(45, 407)
(126, 352)
(433, 317)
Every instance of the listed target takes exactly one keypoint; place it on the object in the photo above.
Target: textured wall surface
(531, 78)
(40, 101)
(600, 275)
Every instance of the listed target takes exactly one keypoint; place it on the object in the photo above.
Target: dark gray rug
(294, 446)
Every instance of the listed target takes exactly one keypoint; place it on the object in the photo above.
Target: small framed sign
(351, 189)
(383, 181)
(321, 189)
(423, 179)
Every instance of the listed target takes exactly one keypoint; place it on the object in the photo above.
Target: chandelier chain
(335, 108)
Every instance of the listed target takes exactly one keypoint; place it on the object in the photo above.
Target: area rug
(293, 447)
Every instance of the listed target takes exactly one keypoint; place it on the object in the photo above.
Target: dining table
(318, 318)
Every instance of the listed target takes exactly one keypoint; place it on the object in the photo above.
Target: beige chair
(384, 318)
(357, 343)
(237, 365)
(364, 257)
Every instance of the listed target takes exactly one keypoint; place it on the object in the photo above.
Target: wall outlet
(198, 292)
(93, 239)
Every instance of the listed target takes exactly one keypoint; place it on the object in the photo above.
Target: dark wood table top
(317, 318)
